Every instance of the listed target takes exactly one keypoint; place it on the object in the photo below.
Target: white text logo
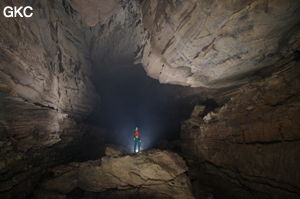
(10, 11)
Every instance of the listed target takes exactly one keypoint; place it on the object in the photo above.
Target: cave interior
(213, 86)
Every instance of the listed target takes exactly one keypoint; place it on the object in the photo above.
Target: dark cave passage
(213, 86)
(129, 99)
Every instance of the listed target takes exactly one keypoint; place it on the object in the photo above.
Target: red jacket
(137, 134)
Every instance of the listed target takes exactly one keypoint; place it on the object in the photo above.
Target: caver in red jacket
(137, 140)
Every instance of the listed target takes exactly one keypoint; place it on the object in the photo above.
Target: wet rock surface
(247, 147)
(155, 173)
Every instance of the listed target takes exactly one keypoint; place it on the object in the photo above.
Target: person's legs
(139, 146)
(134, 146)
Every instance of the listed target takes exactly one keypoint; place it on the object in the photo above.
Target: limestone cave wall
(45, 91)
(249, 146)
(215, 43)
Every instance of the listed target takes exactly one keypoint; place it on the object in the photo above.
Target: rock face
(96, 11)
(44, 90)
(249, 147)
(215, 43)
(115, 150)
(44, 60)
(157, 173)
(121, 37)
(194, 43)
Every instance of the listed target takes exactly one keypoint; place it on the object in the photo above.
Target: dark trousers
(137, 144)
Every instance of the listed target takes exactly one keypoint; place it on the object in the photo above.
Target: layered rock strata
(249, 147)
(215, 43)
(45, 89)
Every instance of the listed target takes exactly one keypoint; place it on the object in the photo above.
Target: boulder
(153, 172)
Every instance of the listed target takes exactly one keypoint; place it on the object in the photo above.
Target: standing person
(137, 140)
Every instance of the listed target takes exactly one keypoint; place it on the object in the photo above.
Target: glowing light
(146, 139)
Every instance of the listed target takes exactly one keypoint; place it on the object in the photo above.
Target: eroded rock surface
(114, 45)
(96, 11)
(45, 90)
(250, 143)
(193, 43)
(115, 150)
(157, 173)
(216, 43)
